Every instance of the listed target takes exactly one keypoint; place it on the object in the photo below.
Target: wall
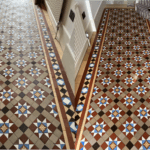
(66, 38)
(54, 10)
(74, 34)
(81, 41)
(67, 26)
(97, 8)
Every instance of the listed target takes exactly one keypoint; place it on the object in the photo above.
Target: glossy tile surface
(119, 110)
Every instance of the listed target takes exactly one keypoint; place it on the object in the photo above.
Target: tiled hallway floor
(118, 116)
(29, 117)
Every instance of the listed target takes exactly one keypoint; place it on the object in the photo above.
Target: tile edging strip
(64, 117)
(148, 25)
(88, 97)
(69, 89)
(67, 84)
(87, 65)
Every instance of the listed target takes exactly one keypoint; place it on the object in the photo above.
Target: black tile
(23, 127)
(40, 109)
(5, 110)
(70, 112)
(116, 100)
(128, 58)
(101, 113)
(77, 117)
(72, 15)
(144, 47)
(8, 63)
(45, 147)
(129, 89)
(138, 65)
(105, 90)
(82, 98)
(21, 94)
(10, 48)
(53, 60)
(68, 106)
(59, 128)
(63, 90)
(129, 113)
(114, 128)
(110, 47)
(72, 120)
(2, 147)
(96, 146)
(107, 72)
(58, 73)
(90, 70)
(33, 62)
(140, 80)
(117, 80)
(83, 15)
(7, 82)
(52, 93)
(146, 57)
(142, 100)
(145, 127)
(129, 145)
(118, 65)
(109, 59)
(86, 83)
(129, 72)
(137, 52)
(35, 82)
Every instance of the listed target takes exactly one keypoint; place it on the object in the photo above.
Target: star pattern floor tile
(119, 111)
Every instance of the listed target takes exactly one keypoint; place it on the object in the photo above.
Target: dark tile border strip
(87, 65)
(69, 89)
(69, 135)
(148, 24)
(91, 81)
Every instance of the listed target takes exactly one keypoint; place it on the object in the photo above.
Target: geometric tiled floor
(29, 118)
(119, 111)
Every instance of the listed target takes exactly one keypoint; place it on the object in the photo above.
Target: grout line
(53, 88)
(89, 98)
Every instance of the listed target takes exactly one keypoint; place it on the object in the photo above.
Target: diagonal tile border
(31, 102)
(58, 78)
(92, 67)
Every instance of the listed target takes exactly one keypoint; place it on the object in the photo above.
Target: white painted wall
(54, 9)
(97, 8)
(67, 26)
(66, 38)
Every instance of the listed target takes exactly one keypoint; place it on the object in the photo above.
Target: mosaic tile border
(59, 78)
(87, 78)
(88, 82)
